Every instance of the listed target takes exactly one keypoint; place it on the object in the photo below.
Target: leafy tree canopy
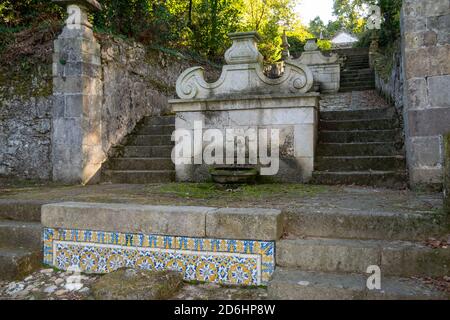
(203, 25)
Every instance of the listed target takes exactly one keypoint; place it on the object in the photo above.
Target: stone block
(305, 137)
(426, 151)
(328, 255)
(242, 224)
(417, 93)
(59, 104)
(160, 220)
(429, 122)
(67, 131)
(439, 91)
(417, 62)
(423, 176)
(435, 7)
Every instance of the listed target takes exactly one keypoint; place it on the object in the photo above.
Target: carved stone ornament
(243, 74)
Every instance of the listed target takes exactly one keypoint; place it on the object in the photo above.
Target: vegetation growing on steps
(255, 192)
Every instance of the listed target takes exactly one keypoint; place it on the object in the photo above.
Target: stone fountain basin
(234, 175)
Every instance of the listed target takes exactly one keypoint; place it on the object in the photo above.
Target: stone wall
(447, 173)
(426, 51)
(136, 82)
(25, 123)
(389, 76)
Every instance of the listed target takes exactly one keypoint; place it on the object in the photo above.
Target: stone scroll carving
(243, 74)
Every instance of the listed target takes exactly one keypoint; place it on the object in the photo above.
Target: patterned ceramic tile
(209, 260)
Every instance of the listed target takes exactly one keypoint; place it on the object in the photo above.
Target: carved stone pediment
(243, 74)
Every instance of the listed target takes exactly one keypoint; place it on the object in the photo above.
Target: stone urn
(311, 45)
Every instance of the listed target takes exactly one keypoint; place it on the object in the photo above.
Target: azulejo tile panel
(223, 261)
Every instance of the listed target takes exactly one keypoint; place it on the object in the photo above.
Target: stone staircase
(145, 156)
(325, 255)
(356, 74)
(20, 239)
(361, 147)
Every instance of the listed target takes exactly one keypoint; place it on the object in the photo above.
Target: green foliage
(203, 25)
(19, 13)
(351, 14)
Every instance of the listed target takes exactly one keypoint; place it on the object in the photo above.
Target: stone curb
(201, 222)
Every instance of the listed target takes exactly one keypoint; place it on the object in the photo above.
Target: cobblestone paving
(49, 284)
(355, 100)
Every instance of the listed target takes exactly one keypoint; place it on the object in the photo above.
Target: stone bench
(223, 245)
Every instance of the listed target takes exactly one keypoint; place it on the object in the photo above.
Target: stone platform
(227, 246)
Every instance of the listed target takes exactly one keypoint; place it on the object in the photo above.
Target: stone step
(147, 152)
(351, 67)
(359, 88)
(138, 177)
(360, 163)
(140, 164)
(395, 258)
(357, 62)
(177, 221)
(150, 140)
(16, 234)
(355, 80)
(156, 130)
(360, 136)
(359, 149)
(294, 284)
(381, 113)
(360, 71)
(380, 179)
(361, 124)
(15, 263)
(363, 223)
(162, 120)
(357, 73)
(21, 210)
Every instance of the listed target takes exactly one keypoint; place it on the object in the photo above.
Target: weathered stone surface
(254, 223)
(395, 258)
(25, 142)
(423, 151)
(162, 220)
(447, 173)
(130, 284)
(328, 255)
(244, 74)
(418, 93)
(438, 90)
(326, 69)
(292, 284)
(18, 263)
(430, 122)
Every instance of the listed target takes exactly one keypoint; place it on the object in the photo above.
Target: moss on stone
(28, 78)
(255, 192)
(384, 61)
(130, 284)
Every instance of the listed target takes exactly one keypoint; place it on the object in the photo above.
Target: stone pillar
(426, 52)
(373, 49)
(78, 91)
